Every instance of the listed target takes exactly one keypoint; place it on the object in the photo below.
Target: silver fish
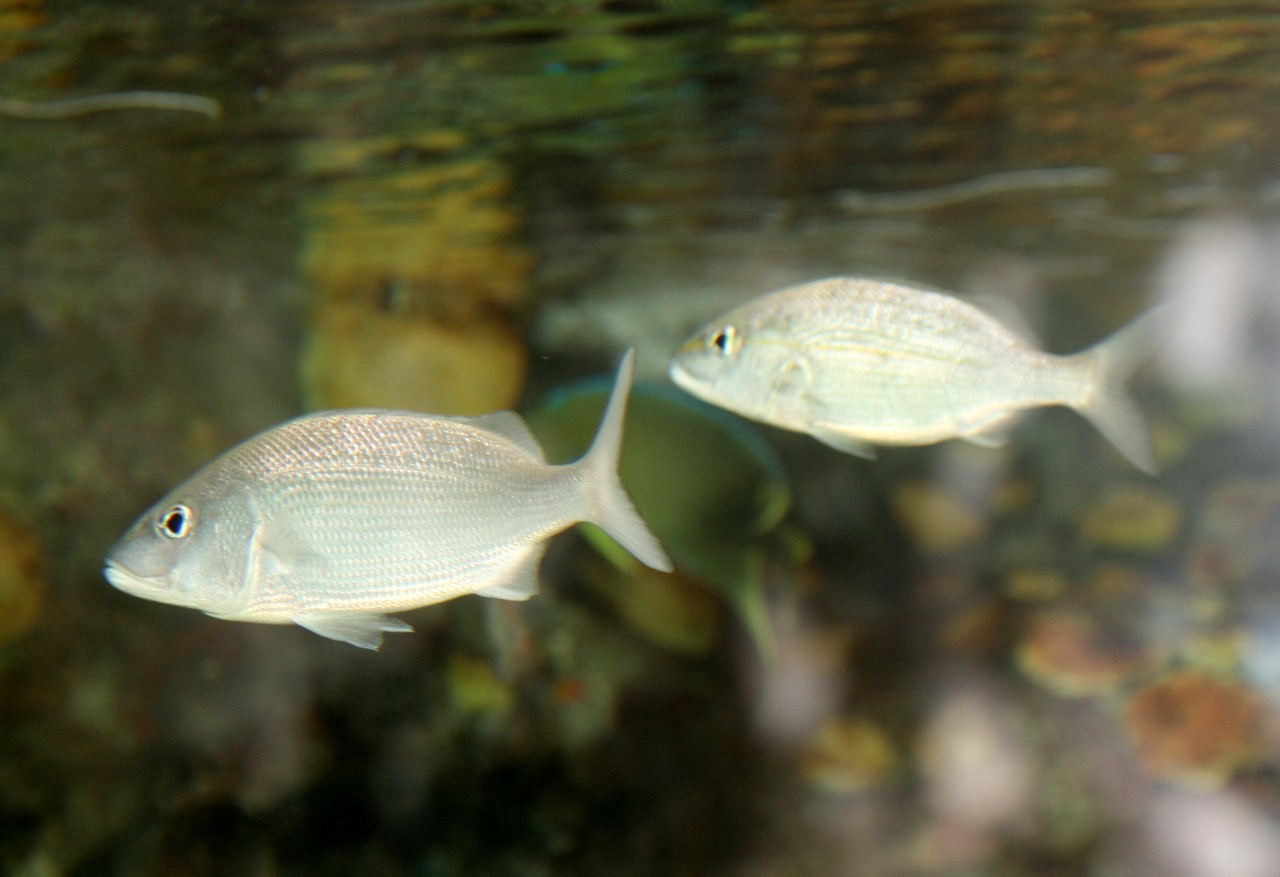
(333, 519)
(857, 363)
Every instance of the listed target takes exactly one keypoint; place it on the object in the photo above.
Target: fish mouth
(132, 583)
(682, 377)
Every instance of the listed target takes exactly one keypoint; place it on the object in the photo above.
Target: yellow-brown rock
(1068, 653)
(1034, 584)
(848, 755)
(1195, 728)
(417, 273)
(437, 240)
(360, 358)
(1134, 517)
(935, 520)
(21, 580)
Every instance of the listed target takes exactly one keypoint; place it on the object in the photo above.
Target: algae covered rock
(21, 580)
(848, 755)
(417, 276)
(1134, 517)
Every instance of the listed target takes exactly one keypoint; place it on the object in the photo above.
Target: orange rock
(1195, 728)
(1067, 653)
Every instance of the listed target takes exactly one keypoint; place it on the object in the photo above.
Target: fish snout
(130, 582)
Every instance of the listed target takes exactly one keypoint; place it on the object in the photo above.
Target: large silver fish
(333, 519)
(857, 363)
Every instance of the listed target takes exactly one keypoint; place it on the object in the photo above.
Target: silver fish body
(858, 363)
(333, 519)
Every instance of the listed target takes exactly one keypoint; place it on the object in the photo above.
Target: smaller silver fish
(857, 363)
(333, 519)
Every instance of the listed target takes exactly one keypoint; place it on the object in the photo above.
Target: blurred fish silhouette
(857, 363)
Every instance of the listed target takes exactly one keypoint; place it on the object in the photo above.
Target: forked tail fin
(1108, 406)
(608, 505)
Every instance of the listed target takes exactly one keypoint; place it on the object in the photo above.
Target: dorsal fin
(1009, 315)
(510, 426)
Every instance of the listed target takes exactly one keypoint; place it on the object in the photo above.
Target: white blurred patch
(798, 690)
(1216, 277)
(1212, 835)
(976, 762)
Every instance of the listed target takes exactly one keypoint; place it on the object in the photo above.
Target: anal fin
(843, 442)
(362, 629)
(521, 582)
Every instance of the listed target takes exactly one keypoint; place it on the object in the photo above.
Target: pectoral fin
(522, 583)
(993, 434)
(793, 379)
(843, 442)
(363, 629)
(283, 550)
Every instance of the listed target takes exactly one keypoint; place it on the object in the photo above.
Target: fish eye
(175, 522)
(725, 340)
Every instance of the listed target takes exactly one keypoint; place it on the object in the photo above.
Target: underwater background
(951, 660)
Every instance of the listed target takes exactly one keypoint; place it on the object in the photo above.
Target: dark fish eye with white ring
(175, 522)
(725, 340)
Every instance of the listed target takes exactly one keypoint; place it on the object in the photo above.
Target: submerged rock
(356, 358)
(417, 275)
(1071, 655)
(848, 755)
(1195, 728)
(1134, 517)
(21, 580)
(935, 519)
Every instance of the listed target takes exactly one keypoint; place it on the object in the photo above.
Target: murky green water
(951, 660)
